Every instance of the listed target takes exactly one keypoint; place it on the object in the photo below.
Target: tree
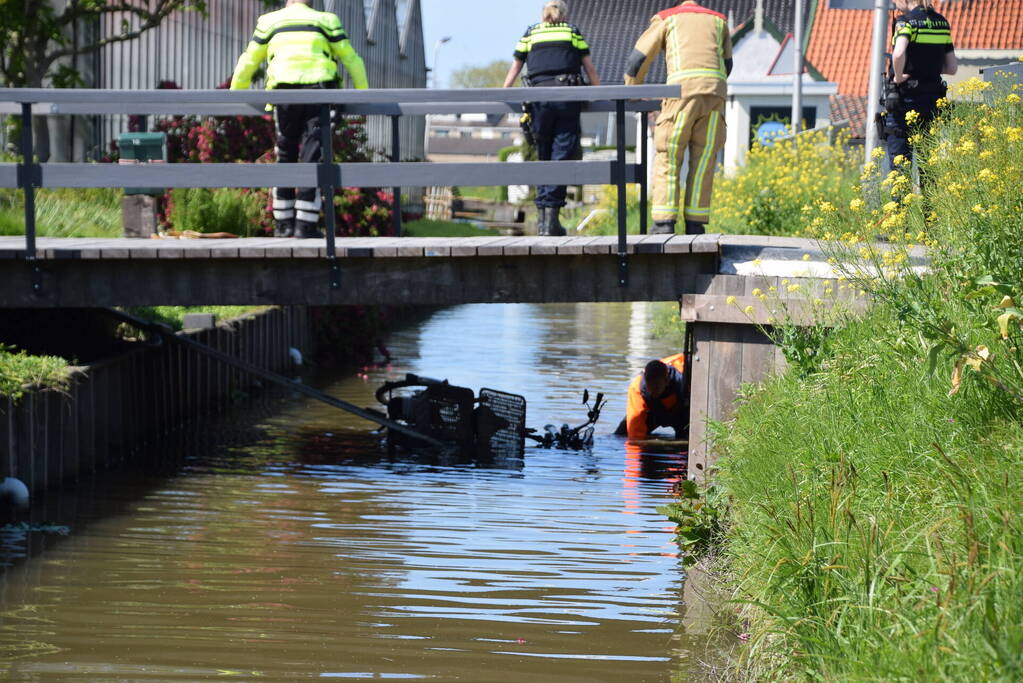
(489, 76)
(38, 37)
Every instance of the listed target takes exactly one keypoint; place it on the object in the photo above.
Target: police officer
(300, 46)
(922, 51)
(698, 52)
(554, 53)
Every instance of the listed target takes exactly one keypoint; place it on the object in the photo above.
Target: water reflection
(293, 545)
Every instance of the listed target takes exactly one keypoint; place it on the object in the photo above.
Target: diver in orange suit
(657, 398)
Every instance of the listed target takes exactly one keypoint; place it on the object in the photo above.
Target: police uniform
(645, 413)
(698, 51)
(301, 46)
(553, 54)
(930, 41)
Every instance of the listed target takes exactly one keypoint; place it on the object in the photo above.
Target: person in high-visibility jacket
(301, 47)
(658, 398)
(922, 52)
(698, 51)
(554, 54)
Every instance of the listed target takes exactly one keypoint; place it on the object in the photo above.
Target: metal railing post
(328, 181)
(644, 185)
(28, 178)
(396, 157)
(623, 196)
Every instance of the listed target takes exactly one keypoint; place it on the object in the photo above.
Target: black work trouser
(298, 139)
(925, 103)
(557, 128)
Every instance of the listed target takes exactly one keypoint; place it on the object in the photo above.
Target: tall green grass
(875, 526)
(64, 213)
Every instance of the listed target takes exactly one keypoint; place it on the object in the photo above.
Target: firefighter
(922, 51)
(698, 51)
(554, 54)
(658, 398)
(301, 46)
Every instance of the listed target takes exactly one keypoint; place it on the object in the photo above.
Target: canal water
(285, 543)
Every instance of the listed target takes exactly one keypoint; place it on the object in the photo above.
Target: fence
(394, 104)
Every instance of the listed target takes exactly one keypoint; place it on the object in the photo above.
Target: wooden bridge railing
(328, 175)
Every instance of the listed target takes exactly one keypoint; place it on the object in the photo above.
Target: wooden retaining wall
(731, 348)
(114, 408)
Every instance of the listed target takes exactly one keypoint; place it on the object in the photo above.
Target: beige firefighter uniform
(698, 51)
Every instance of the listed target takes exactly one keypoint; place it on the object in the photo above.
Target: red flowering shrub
(232, 139)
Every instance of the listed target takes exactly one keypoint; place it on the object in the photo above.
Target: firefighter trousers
(695, 125)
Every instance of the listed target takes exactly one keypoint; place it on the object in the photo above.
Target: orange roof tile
(840, 38)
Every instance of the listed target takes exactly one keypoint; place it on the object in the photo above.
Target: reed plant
(64, 212)
(875, 525)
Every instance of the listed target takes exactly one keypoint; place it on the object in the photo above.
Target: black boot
(307, 231)
(542, 226)
(694, 228)
(663, 228)
(285, 228)
(554, 227)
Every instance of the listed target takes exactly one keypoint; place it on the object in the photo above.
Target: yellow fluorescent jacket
(300, 46)
(696, 43)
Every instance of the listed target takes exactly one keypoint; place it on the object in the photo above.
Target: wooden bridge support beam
(73, 283)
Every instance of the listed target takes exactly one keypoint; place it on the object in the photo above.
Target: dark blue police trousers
(557, 128)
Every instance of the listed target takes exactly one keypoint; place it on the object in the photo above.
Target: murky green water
(286, 544)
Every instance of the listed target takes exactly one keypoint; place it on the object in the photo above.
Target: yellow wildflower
(748, 310)
(856, 204)
(806, 257)
(912, 116)
(1012, 98)
(878, 153)
(757, 292)
(900, 159)
(987, 175)
(730, 300)
(793, 288)
(943, 102)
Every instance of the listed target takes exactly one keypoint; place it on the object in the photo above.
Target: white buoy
(296, 355)
(14, 490)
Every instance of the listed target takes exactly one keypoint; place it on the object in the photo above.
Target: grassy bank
(174, 316)
(875, 528)
(426, 227)
(20, 372)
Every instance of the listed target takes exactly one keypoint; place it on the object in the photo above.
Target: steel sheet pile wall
(114, 408)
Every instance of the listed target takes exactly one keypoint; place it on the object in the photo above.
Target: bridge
(72, 273)
(43, 272)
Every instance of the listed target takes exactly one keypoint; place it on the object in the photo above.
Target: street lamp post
(797, 69)
(436, 50)
(433, 83)
(877, 54)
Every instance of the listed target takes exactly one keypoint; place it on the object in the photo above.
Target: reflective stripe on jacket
(930, 39)
(552, 49)
(300, 46)
(696, 44)
(637, 410)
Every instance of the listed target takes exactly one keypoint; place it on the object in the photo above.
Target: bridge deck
(129, 272)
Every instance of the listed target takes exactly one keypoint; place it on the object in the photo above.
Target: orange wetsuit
(673, 411)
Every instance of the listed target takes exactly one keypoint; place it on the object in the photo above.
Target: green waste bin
(142, 148)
